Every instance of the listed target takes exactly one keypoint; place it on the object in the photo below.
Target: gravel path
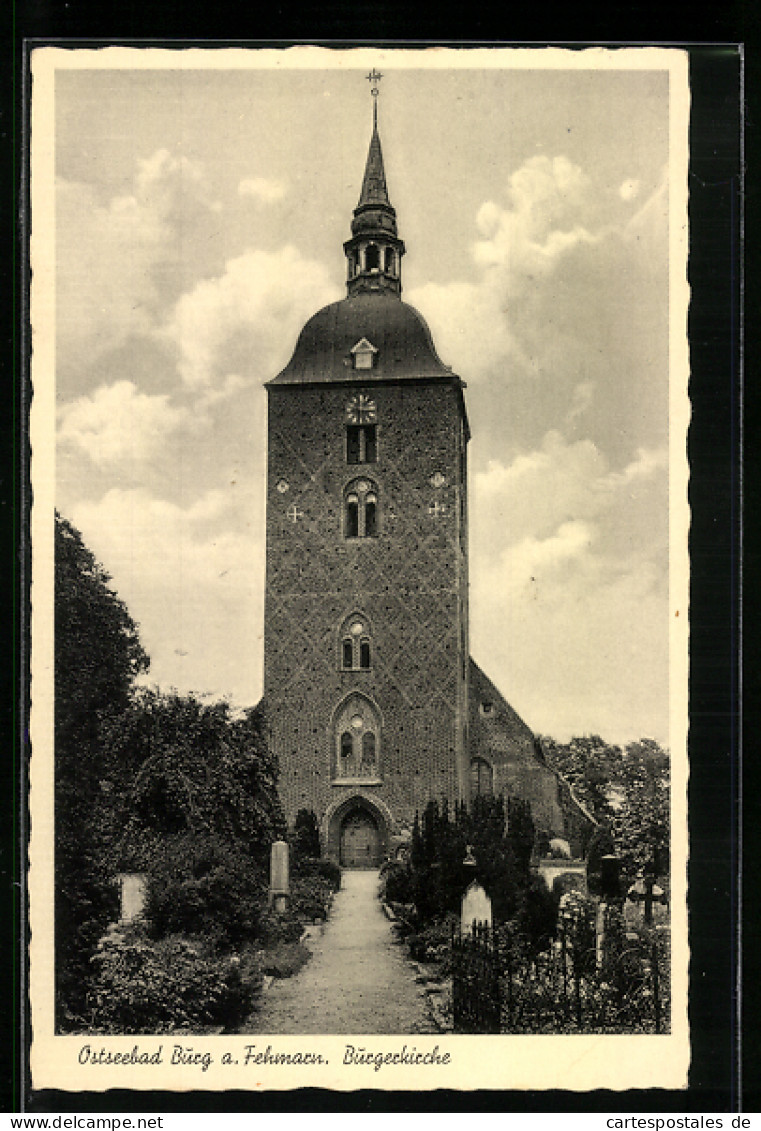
(358, 979)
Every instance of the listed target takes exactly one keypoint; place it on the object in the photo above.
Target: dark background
(718, 224)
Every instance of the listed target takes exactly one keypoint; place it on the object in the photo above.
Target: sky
(200, 216)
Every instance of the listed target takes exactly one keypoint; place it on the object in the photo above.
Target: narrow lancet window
(352, 516)
(368, 752)
(355, 643)
(370, 516)
(361, 510)
(481, 778)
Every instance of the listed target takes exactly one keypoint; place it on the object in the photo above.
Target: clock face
(361, 409)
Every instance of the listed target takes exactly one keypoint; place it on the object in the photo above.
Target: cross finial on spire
(374, 78)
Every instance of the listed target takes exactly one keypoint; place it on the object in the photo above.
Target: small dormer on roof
(363, 354)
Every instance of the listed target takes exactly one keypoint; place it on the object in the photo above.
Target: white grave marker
(475, 905)
(132, 892)
(279, 885)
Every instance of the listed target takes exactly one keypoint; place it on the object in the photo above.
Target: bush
(396, 884)
(205, 889)
(312, 866)
(285, 959)
(276, 927)
(433, 942)
(311, 896)
(141, 986)
(537, 914)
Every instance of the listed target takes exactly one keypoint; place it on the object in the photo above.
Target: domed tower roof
(371, 330)
(396, 336)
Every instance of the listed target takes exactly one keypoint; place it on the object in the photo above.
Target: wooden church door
(360, 842)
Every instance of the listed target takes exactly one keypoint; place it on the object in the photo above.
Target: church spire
(374, 252)
(374, 191)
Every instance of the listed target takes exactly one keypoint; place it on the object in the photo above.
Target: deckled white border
(505, 1062)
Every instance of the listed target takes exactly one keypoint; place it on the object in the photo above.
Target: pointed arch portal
(357, 832)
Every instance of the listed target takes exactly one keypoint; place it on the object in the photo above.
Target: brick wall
(410, 583)
(503, 739)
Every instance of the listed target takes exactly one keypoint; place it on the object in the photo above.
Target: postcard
(360, 578)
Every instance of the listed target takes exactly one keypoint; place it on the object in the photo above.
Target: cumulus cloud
(247, 319)
(549, 211)
(569, 560)
(586, 648)
(262, 189)
(118, 423)
(559, 483)
(191, 576)
(119, 263)
(566, 320)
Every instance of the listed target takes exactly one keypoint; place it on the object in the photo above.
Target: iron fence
(570, 983)
(476, 981)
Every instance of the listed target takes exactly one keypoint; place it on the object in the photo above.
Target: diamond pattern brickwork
(410, 582)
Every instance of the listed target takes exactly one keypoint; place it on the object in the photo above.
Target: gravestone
(476, 905)
(132, 895)
(279, 885)
(602, 907)
(645, 904)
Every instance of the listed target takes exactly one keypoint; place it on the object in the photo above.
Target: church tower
(374, 704)
(366, 611)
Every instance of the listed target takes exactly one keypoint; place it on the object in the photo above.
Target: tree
(641, 823)
(97, 657)
(590, 765)
(183, 766)
(196, 808)
(520, 832)
(627, 791)
(306, 834)
(438, 872)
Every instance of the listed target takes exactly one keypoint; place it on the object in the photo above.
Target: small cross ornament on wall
(294, 514)
(435, 509)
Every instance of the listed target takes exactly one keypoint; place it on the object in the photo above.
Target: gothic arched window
(355, 643)
(481, 778)
(357, 739)
(361, 509)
